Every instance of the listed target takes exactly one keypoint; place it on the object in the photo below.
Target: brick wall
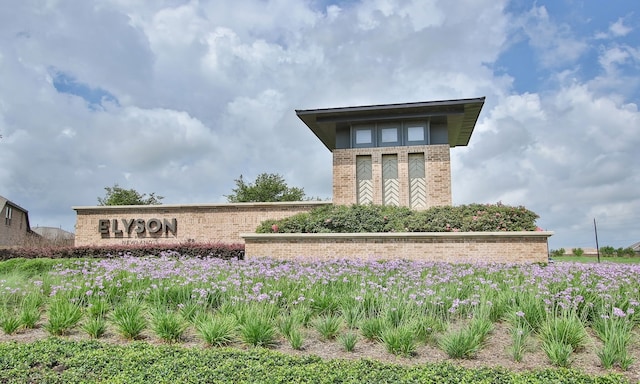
(455, 247)
(15, 232)
(198, 223)
(437, 169)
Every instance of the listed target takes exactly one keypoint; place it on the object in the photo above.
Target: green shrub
(95, 327)
(168, 326)
(39, 258)
(63, 315)
(625, 252)
(56, 360)
(217, 331)
(577, 252)
(348, 341)
(328, 326)
(129, 319)
(400, 341)
(558, 252)
(379, 218)
(9, 321)
(295, 339)
(607, 251)
(258, 331)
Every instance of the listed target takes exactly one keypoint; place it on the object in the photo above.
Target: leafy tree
(607, 251)
(268, 187)
(120, 196)
(577, 252)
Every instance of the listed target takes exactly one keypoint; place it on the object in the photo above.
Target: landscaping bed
(504, 322)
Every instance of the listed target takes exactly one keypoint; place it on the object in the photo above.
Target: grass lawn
(594, 259)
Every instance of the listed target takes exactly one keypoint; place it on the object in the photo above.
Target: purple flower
(618, 312)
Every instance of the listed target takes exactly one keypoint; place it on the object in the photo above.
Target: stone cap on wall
(391, 235)
(203, 206)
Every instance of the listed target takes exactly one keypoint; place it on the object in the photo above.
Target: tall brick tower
(394, 154)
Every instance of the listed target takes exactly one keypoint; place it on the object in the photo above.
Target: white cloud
(555, 43)
(207, 91)
(619, 29)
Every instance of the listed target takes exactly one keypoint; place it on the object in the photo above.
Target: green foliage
(95, 327)
(426, 327)
(465, 343)
(129, 319)
(372, 328)
(558, 252)
(217, 331)
(558, 353)
(625, 252)
(295, 339)
(288, 323)
(615, 332)
(577, 252)
(258, 331)
(35, 261)
(97, 307)
(328, 326)
(9, 321)
(565, 328)
(62, 361)
(62, 316)
(29, 316)
(607, 251)
(119, 196)
(167, 325)
(377, 218)
(519, 336)
(268, 187)
(400, 340)
(349, 341)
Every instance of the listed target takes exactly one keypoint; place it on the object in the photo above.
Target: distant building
(636, 248)
(54, 236)
(14, 228)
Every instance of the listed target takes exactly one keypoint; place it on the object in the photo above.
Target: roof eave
(322, 122)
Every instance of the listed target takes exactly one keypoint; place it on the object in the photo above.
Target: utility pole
(595, 228)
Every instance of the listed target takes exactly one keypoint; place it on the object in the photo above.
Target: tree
(120, 196)
(268, 187)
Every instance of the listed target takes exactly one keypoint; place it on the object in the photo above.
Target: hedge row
(59, 361)
(378, 218)
(219, 250)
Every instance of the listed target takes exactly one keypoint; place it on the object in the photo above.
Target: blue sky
(181, 97)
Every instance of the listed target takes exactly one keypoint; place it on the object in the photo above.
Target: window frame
(363, 127)
(402, 132)
(397, 126)
(8, 213)
(425, 129)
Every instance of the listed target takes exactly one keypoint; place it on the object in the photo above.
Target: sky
(180, 98)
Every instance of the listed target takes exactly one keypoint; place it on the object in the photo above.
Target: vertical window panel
(390, 182)
(364, 180)
(417, 181)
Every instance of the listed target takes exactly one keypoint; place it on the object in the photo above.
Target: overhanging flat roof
(460, 117)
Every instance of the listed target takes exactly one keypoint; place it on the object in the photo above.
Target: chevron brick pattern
(417, 182)
(364, 175)
(390, 185)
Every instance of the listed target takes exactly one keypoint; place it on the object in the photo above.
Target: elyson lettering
(139, 226)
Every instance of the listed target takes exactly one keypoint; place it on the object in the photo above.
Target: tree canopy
(119, 196)
(268, 187)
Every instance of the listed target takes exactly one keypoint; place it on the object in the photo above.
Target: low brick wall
(455, 247)
(201, 223)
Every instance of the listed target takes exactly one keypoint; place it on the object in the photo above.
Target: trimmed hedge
(378, 218)
(59, 361)
(219, 250)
